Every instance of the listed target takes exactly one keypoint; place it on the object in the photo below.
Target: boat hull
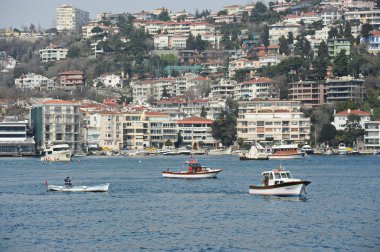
(256, 157)
(286, 156)
(95, 188)
(189, 175)
(62, 157)
(286, 189)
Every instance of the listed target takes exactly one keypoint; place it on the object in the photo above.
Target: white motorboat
(220, 151)
(279, 183)
(57, 153)
(194, 171)
(79, 188)
(342, 150)
(307, 149)
(257, 152)
(285, 151)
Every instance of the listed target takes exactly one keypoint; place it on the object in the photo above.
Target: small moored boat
(94, 188)
(257, 152)
(195, 171)
(285, 151)
(57, 153)
(279, 183)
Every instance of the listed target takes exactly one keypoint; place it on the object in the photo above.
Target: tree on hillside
(164, 16)
(284, 47)
(340, 66)
(366, 29)
(328, 133)
(353, 129)
(224, 128)
(333, 33)
(258, 13)
(290, 38)
(303, 48)
(321, 61)
(265, 36)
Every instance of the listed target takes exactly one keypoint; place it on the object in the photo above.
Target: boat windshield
(277, 175)
(289, 176)
(283, 175)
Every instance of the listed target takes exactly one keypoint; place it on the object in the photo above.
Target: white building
(70, 18)
(340, 118)
(53, 53)
(34, 81)
(372, 134)
(111, 80)
(276, 31)
(195, 130)
(258, 88)
(371, 17)
(223, 89)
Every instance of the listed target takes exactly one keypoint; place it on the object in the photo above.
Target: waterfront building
(341, 118)
(53, 53)
(257, 88)
(272, 120)
(162, 128)
(70, 18)
(111, 130)
(135, 131)
(310, 93)
(14, 139)
(372, 134)
(57, 122)
(196, 130)
(344, 88)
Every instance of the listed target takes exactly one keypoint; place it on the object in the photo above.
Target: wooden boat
(94, 188)
(194, 171)
(257, 152)
(279, 183)
(285, 151)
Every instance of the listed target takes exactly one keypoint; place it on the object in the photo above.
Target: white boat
(57, 153)
(220, 151)
(257, 152)
(285, 151)
(194, 171)
(307, 149)
(328, 151)
(342, 150)
(279, 183)
(80, 188)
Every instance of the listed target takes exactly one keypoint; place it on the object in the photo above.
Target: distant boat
(194, 171)
(94, 188)
(220, 151)
(257, 152)
(307, 149)
(57, 153)
(342, 150)
(279, 183)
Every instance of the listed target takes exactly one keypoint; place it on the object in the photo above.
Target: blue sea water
(144, 212)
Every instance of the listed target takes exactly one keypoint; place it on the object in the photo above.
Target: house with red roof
(70, 80)
(341, 118)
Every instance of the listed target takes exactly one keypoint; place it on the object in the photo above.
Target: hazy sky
(15, 13)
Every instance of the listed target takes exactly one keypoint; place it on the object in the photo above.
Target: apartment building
(34, 81)
(110, 80)
(276, 31)
(195, 130)
(336, 45)
(53, 53)
(310, 93)
(70, 18)
(162, 128)
(341, 118)
(241, 64)
(223, 89)
(372, 42)
(57, 122)
(371, 17)
(111, 130)
(372, 134)
(228, 19)
(257, 88)
(344, 88)
(70, 80)
(135, 131)
(272, 120)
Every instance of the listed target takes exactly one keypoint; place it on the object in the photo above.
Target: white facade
(111, 80)
(53, 54)
(70, 18)
(372, 134)
(276, 31)
(223, 89)
(259, 88)
(33, 81)
(340, 118)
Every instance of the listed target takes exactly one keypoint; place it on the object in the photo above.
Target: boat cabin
(276, 176)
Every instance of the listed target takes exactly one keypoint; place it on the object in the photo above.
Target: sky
(18, 13)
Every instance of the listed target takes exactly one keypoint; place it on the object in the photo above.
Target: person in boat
(68, 182)
(265, 181)
(190, 168)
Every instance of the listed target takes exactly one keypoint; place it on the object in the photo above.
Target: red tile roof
(156, 114)
(71, 72)
(354, 112)
(195, 119)
(58, 102)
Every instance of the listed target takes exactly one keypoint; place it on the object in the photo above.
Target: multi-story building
(111, 80)
(57, 122)
(272, 121)
(34, 81)
(228, 19)
(14, 139)
(258, 88)
(111, 130)
(161, 129)
(336, 45)
(70, 18)
(276, 31)
(53, 53)
(372, 42)
(341, 118)
(371, 17)
(241, 64)
(223, 89)
(135, 131)
(329, 15)
(195, 130)
(310, 93)
(344, 88)
(372, 134)
(70, 80)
